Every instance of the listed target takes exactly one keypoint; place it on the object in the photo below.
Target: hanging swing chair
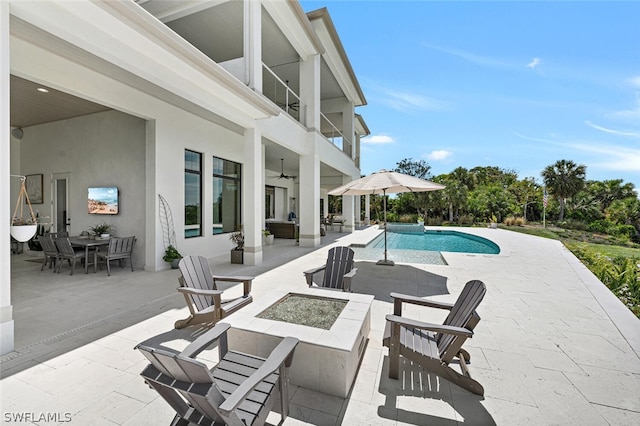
(23, 229)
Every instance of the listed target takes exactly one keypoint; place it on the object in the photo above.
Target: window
(192, 194)
(226, 196)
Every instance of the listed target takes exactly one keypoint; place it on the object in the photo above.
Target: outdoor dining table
(87, 242)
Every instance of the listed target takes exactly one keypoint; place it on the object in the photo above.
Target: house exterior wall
(97, 150)
(165, 97)
(174, 130)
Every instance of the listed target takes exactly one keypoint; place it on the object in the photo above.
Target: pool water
(424, 247)
(436, 241)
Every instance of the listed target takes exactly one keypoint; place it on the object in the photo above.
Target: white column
(310, 91)
(6, 308)
(252, 196)
(309, 205)
(367, 209)
(348, 208)
(348, 129)
(153, 234)
(252, 36)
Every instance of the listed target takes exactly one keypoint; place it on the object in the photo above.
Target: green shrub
(603, 226)
(573, 224)
(619, 274)
(391, 217)
(434, 221)
(627, 231)
(465, 219)
(408, 218)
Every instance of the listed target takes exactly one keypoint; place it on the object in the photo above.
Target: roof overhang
(123, 35)
(335, 55)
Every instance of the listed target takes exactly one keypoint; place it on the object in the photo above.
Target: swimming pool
(425, 247)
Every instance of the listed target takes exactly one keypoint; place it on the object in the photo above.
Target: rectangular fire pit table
(325, 360)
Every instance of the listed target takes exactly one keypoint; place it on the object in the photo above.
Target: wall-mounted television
(103, 200)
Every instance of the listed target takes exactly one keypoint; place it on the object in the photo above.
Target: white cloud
(439, 155)
(411, 102)
(612, 157)
(632, 115)
(609, 156)
(534, 63)
(635, 81)
(377, 140)
(471, 57)
(612, 131)
(407, 100)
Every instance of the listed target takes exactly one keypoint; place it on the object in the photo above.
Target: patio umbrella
(385, 182)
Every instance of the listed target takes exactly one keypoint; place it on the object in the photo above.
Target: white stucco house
(235, 112)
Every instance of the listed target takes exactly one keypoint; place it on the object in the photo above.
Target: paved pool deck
(554, 346)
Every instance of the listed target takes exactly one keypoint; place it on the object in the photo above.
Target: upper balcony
(217, 28)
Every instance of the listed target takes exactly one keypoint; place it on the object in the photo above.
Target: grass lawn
(615, 251)
(603, 244)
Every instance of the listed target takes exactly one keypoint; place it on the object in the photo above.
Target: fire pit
(328, 355)
(318, 312)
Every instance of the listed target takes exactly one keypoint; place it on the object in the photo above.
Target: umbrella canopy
(385, 182)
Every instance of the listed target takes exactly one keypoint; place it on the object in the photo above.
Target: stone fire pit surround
(325, 360)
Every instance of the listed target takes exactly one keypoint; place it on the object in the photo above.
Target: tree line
(486, 194)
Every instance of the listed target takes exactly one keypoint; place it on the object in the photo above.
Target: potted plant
(267, 237)
(102, 230)
(237, 253)
(172, 256)
(23, 229)
(494, 222)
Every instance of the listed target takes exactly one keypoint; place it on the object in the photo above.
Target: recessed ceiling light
(42, 89)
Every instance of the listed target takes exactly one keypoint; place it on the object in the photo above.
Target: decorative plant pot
(237, 256)
(174, 263)
(23, 233)
(268, 239)
(493, 225)
(105, 236)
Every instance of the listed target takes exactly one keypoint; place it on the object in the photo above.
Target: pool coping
(505, 250)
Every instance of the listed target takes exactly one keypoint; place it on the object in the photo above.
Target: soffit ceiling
(216, 30)
(29, 106)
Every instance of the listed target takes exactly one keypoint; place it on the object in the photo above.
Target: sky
(517, 85)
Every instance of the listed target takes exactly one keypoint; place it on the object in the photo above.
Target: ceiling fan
(282, 175)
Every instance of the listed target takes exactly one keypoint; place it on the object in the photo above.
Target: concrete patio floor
(554, 346)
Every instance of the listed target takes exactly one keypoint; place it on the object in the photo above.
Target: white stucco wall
(175, 134)
(170, 130)
(97, 150)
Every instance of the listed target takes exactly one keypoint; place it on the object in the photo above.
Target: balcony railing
(331, 132)
(280, 93)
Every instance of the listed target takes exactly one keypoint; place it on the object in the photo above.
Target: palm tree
(455, 195)
(564, 179)
(608, 191)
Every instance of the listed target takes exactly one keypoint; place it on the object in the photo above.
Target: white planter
(23, 233)
(268, 239)
(105, 236)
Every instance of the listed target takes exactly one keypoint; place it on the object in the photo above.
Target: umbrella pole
(385, 261)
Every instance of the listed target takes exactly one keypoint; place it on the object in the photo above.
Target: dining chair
(66, 251)
(49, 250)
(119, 249)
